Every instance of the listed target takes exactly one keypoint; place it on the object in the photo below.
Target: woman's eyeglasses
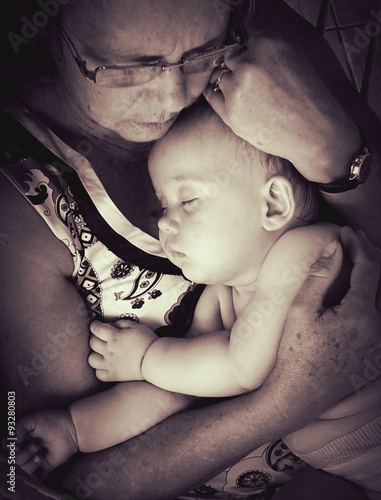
(135, 74)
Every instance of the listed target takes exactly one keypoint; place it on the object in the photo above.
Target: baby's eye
(188, 202)
(161, 212)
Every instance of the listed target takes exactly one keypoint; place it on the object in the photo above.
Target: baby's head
(225, 203)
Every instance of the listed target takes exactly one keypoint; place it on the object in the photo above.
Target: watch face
(364, 169)
(360, 170)
(360, 167)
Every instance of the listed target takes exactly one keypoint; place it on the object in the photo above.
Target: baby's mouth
(174, 254)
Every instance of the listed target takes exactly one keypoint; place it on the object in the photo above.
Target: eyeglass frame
(92, 74)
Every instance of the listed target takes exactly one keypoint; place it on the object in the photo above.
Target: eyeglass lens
(122, 77)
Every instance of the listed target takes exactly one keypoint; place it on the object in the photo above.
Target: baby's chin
(197, 277)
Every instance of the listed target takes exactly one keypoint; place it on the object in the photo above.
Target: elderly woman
(91, 85)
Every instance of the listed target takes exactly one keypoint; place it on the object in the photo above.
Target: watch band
(358, 172)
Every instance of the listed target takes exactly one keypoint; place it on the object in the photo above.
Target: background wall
(353, 29)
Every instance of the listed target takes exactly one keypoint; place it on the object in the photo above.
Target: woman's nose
(174, 90)
(168, 224)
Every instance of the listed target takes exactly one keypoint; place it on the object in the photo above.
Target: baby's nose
(169, 224)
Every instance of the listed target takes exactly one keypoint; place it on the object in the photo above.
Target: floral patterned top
(119, 270)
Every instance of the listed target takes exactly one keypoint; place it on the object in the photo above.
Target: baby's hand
(28, 454)
(45, 440)
(119, 349)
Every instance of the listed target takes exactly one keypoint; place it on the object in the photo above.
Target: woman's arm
(288, 95)
(359, 208)
(43, 321)
(189, 448)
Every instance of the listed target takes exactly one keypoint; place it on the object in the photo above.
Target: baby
(243, 223)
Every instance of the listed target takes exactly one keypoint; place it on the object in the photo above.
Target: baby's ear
(279, 203)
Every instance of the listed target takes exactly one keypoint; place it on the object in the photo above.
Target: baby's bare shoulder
(302, 239)
(292, 255)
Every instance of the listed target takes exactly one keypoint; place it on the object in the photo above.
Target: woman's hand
(275, 100)
(119, 349)
(343, 340)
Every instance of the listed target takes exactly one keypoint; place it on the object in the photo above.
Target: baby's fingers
(104, 331)
(29, 458)
(97, 344)
(22, 433)
(104, 376)
(21, 436)
(96, 361)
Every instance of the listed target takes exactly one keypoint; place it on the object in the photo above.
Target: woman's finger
(320, 277)
(221, 78)
(366, 260)
(216, 100)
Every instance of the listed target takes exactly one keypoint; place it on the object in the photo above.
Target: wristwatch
(359, 171)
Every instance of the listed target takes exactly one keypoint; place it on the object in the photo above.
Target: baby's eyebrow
(180, 178)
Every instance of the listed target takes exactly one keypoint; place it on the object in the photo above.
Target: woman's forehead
(129, 24)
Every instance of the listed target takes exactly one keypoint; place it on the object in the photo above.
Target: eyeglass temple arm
(90, 75)
(236, 24)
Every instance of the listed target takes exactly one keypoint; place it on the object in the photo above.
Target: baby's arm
(122, 412)
(120, 347)
(222, 364)
(49, 438)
